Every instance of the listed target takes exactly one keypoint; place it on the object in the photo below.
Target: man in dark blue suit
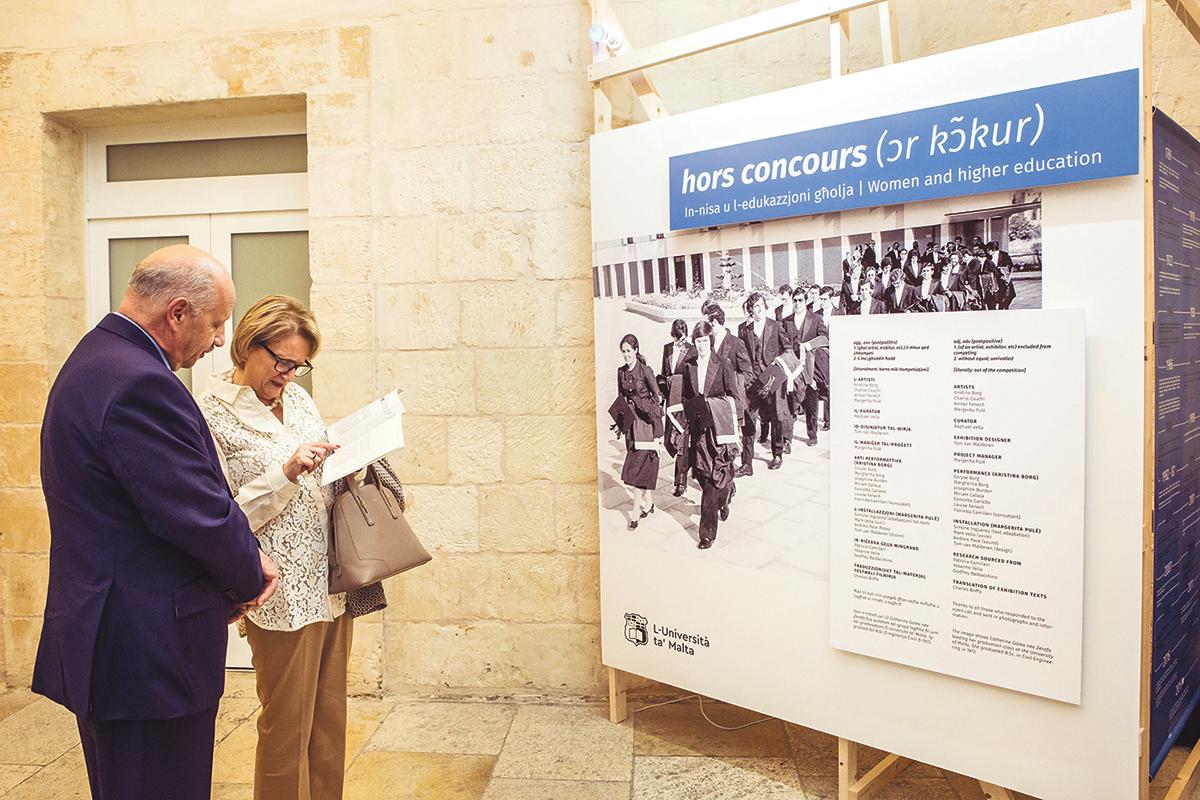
(150, 557)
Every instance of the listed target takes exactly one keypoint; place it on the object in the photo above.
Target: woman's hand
(307, 458)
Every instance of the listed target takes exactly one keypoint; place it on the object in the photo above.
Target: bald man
(150, 557)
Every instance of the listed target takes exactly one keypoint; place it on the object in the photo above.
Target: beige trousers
(301, 679)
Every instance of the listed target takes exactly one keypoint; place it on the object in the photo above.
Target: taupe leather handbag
(371, 539)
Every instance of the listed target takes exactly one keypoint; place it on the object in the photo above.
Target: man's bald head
(182, 297)
(178, 271)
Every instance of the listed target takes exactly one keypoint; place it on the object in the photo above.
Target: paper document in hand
(367, 435)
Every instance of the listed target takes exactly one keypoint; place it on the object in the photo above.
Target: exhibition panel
(1012, 193)
(1175, 682)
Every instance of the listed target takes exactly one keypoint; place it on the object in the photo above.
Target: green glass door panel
(274, 262)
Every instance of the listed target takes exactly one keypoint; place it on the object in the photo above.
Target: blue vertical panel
(1175, 669)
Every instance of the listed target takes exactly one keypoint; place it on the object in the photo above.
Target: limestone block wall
(450, 255)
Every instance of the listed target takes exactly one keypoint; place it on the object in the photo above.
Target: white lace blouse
(291, 520)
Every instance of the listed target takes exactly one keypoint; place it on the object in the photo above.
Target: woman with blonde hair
(272, 443)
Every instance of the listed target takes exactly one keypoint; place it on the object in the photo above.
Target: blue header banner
(1063, 133)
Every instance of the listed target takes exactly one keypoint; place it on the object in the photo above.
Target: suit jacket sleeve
(163, 462)
(743, 358)
(651, 384)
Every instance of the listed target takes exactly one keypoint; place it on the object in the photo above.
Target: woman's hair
(751, 299)
(896, 275)
(273, 316)
(701, 330)
(679, 329)
(631, 340)
(712, 311)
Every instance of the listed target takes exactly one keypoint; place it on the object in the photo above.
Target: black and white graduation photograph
(712, 360)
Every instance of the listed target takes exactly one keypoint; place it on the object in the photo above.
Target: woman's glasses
(283, 366)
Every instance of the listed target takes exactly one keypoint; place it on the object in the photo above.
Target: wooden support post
(847, 767)
(1149, 270)
(852, 787)
(1187, 779)
(603, 110)
(1188, 12)
(993, 792)
(647, 95)
(888, 32)
(839, 44)
(618, 702)
(878, 777)
(780, 18)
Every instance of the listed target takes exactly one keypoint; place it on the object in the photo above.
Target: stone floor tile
(826, 788)
(378, 774)
(233, 760)
(918, 789)
(13, 700)
(966, 788)
(566, 742)
(924, 771)
(816, 753)
(13, 774)
(232, 791)
(232, 713)
(458, 728)
(679, 729)
(363, 718)
(37, 734)
(63, 779)
(820, 787)
(240, 683)
(704, 778)
(513, 789)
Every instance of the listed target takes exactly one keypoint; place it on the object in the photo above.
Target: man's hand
(270, 582)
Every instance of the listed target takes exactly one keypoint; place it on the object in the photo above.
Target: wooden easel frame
(626, 61)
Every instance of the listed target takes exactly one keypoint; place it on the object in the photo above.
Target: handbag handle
(385, 491)
(352, 485)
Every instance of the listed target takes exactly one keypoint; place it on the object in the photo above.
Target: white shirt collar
(244, 403)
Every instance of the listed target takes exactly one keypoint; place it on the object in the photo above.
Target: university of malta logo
(635, 629)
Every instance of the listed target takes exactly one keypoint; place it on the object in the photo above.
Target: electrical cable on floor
(703, 713)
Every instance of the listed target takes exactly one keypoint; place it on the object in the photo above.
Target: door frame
(215, 195)
(222, 228)
(100, 232)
